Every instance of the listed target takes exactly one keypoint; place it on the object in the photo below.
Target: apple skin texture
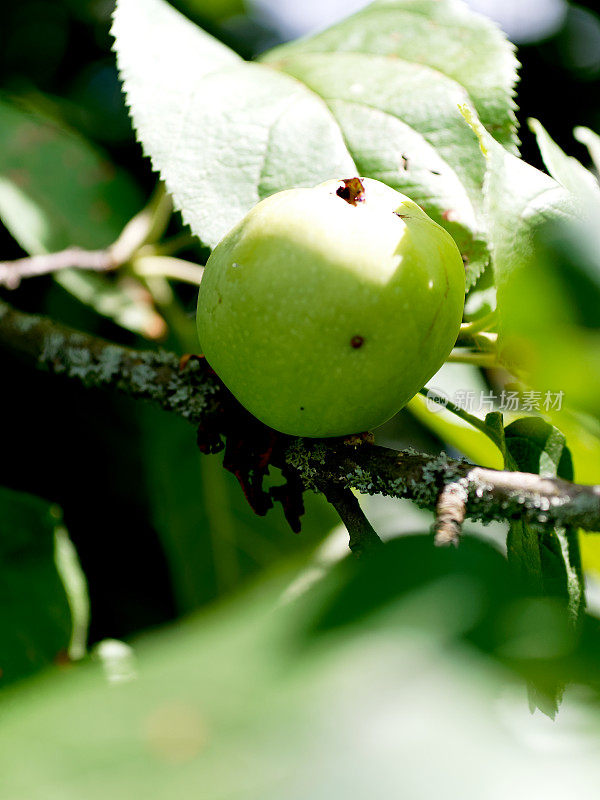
(323, 317)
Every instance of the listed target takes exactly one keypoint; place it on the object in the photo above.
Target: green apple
(326, 309)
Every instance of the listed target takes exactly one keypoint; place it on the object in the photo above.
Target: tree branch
(190, 389)
(491, 495)
(450, 514)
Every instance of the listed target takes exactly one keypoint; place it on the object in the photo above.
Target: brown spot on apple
(352, 190)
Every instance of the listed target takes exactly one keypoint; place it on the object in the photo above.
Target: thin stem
(443, 402)
(176, 243)
(13, 272)
(180, 324)
(168, 267)
(484, 323)
(485, 340)
(145, 226)
(485, 360)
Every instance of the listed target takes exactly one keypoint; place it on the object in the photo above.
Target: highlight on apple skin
(326, 309)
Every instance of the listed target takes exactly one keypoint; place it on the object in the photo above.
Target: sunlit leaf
(592, 141)
(393, 75)
(518, 199)
(222, 132)
(565, 169)
(362, 98)
(439, 35)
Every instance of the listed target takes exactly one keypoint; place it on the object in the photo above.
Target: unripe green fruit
(325, 310)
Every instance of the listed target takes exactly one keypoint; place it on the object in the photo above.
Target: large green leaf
(393, 75)
(222, 132)
(362, 97)
(57, 191)
(43, 605)
(443, 36)
(402, 126)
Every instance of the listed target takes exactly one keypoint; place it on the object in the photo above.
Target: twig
(485, 340)
(450, 514)
(169, 247)
(168, 267)
(484, 323)
(142, 228)
(363, 537)
(13, 272)
(474, 421)
(196, 394)
(486, 359)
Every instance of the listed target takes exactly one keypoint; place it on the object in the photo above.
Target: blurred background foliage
(324, 681)
(161, 530)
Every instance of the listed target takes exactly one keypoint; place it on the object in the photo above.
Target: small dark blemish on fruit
(356, 342)
(404, 161)
(434, 172)
(220, 300)
(351, 190)
(301, 408)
